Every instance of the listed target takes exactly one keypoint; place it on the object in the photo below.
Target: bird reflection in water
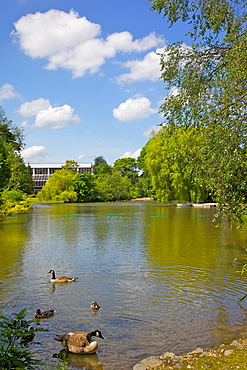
(87, 362)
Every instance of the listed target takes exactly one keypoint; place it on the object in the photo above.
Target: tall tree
(112, 186)
(21, 176)
(84, 186)
(13, 172)
(70, 164)
(101, 166)
(127, 167)
(173, 157)
(208, 82)
(59, 187)
(145, 178)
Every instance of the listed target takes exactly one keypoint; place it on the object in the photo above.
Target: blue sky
(82, 76)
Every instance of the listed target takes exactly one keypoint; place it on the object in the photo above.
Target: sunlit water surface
(166, 278)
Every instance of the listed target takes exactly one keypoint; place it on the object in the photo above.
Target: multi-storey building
(41, 172)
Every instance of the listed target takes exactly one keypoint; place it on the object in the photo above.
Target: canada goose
(29, 336)
(61, 279)
(43, 315)
(80, 342)
(95, 305)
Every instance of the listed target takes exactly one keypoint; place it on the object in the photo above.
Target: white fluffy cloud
(34, 154)
(134, 109)
(47, 116)
(146, 69)
(134, 154)
(57, 117)
(7, 92)
(33, 107)
(72, 42)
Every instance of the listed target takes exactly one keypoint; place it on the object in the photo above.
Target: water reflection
(165, 278)
(87, 362)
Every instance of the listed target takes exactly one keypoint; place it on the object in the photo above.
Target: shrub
(13, 353)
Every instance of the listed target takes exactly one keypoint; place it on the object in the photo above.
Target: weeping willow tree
(59, 187)
(208, 90)
(173, 158)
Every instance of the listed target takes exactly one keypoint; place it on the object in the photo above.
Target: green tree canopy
(111, 187)
(145, 178)
(9, 133)
(173, 157)
(11, 142)
(15, 177)
(208, 90)
(100, 166)
(59, 187)
(127, 167)
(70, 164)
(84, 186)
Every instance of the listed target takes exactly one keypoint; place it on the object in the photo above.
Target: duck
(29, 336)
(43, 315)
(79, 342)
(61, 279)
(95, 305)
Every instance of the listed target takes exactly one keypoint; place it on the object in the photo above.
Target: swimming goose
(95, 305)
(43, 315)
(29, 336)
(79, 342)
(61, 279)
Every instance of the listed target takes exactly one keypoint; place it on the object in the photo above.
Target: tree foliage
(13, 202)
(59, 187)
(101, 166)
(173, 158)
(208, 90)
(84, 186)
(145, 178)
(111, 187)
(127, 167)
(14, 175)
(70, 164)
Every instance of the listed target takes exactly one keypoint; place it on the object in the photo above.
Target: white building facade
(41, 172)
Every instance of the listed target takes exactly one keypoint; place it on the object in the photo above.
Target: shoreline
(226, 356)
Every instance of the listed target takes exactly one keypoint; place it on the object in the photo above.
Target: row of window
(50, 171)
(41, 175)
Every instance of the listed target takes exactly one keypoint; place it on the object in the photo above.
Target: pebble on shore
(172, 361)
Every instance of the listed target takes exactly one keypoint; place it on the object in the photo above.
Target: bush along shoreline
(228, 357)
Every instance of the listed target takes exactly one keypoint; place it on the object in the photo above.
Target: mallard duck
(79, 342)
(61, 279)
(43, 315)
(95, 305)
(29, 336)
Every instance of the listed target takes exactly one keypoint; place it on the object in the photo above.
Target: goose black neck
(90, 335)
(53, 274)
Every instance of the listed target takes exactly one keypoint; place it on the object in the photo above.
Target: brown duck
(95, 305)
(43, 315)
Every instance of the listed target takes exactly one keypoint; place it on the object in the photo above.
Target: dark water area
(166, 278)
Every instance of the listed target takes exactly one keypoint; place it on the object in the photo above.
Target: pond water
(166, 278)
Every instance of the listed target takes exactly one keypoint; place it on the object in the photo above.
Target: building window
(52, 170)
(41, 171)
